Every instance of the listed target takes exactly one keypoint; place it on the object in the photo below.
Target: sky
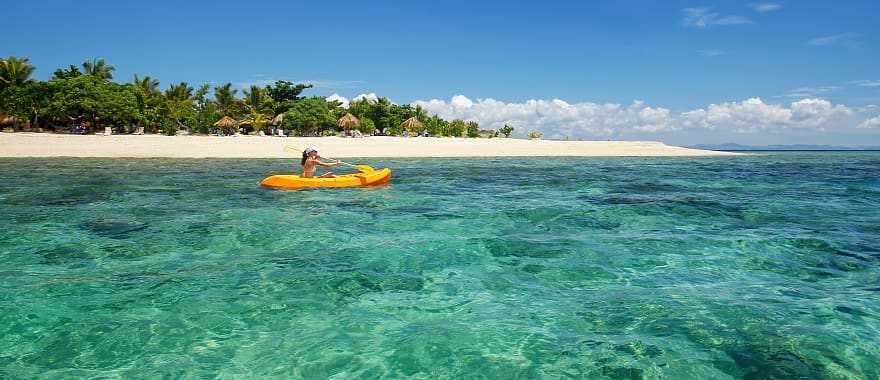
(683, 72)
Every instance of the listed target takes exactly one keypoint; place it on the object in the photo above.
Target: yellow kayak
(376, 177)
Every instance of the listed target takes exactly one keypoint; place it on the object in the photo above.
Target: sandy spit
(58, 145)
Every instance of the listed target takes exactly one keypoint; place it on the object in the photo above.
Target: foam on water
(761, 267)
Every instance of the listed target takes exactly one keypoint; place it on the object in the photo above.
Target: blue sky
(673, 56)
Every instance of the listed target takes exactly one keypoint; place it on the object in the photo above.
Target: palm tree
(99, 68)
(148, 85)
(256, 98)
(258, 119)
(224, 95)
(259, 107)
(180, 91)
(420, 114)
(14, 71)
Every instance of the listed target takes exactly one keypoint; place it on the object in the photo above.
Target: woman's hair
(305, 157)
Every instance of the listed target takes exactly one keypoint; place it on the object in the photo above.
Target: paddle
(362, 168)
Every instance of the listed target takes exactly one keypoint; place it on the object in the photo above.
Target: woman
(311, 160)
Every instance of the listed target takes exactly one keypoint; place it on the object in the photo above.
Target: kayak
(373, 178)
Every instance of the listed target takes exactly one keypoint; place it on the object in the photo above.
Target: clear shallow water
(756, 267)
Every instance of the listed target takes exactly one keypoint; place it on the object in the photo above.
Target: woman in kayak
(311, 160)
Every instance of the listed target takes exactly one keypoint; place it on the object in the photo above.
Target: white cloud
(371, 97)
(873, 122)
(745, 116)
(847, 39)
(765, 7)
(461, 101)
(816, 113)
(338, 98)
(557, 118)
(866, 83)
(704, 18)
(711, 52)
(752, 115)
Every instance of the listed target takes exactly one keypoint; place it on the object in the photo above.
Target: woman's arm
(327, 164)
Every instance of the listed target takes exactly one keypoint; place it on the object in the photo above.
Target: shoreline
(30, 144)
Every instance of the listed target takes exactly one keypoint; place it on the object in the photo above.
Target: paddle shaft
(358, 167)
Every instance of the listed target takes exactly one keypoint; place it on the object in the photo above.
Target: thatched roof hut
(412, 124)
(278, 119)
(348, 122)
(226, 122)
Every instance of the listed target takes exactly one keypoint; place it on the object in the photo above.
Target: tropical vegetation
(85, 98)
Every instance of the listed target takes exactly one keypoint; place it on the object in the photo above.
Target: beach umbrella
(278, 119)
(226, 122)
(412, 124)
(348, 122)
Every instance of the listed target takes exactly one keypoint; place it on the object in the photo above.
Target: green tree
(361, 108)
(381, 113)
(70, 72)
(14, 71)
(224, 96)
(98, 68)
(150, 101)
(473, 129)
(27, 101)
(260, 107)
(534, 135)
(205, 110)
(420, 113)
(506, 130)
(182, 91)
(436, 126)
(309, 116)
(148, 85)
(103, 103)
(284, 93)
(257, 100)
(179, 111)
(368, 127)
(457, 128)
(394, 130)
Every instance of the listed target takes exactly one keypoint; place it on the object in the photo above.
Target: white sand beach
(58, 145)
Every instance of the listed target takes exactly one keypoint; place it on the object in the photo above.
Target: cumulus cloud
(817, 113)
(765, 7)
(752, 115)
(557, 118)
(704, 18)
(338, 98)
(873, 122)
(371, 97)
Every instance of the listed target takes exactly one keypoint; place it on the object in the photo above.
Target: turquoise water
(744, 267)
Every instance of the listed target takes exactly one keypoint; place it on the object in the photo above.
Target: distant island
(787, 147)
